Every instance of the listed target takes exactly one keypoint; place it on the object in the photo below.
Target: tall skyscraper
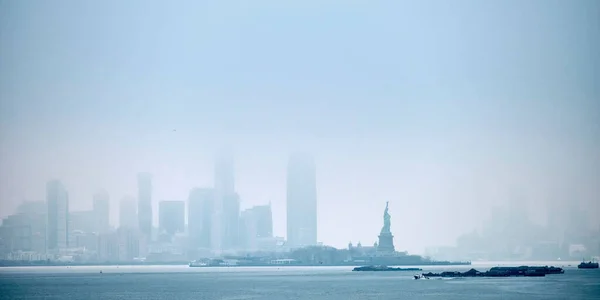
(128, 213)
(145, 204)
(101, 207)
(247, 230)
(224, 205)
(171, 216)
(57, 200)
(224, 173)
(230, 221)
(301, 201)
(200, 217)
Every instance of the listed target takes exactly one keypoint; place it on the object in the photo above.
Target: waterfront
(180, 282)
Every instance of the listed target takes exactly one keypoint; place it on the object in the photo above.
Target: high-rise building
(23, 232)
(200, 217)
(247, 230)
(145, 204)
(171, 216)
(301, 201)
(32, 207)
(224, 173)
(128, 213)
(264, 221)
(82, 221)
(27, 227)
(82, 224)
(57, 228)
(224, 205)
(101, 208)
(230, 221)
(256, 224)
(130, 244)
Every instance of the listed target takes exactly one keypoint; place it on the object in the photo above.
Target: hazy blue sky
(442, 108)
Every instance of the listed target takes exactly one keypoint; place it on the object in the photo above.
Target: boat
(588, 265)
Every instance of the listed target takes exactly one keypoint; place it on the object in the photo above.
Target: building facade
(101, 208)
(128, 213)
(145, 204)
(225, 208)
(171, 217)
(57, 226)
(230, 221)
(301, 201)
(256, 227)
(200, 217)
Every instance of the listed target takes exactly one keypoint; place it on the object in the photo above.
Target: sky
(444, 108)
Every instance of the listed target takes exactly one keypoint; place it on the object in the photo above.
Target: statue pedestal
(386, 243)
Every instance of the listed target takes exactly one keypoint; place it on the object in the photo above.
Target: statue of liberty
(386, 239)
(386, 219)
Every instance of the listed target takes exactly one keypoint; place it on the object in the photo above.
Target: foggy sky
(443, 108)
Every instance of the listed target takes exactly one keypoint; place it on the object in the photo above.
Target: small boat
(588, 265)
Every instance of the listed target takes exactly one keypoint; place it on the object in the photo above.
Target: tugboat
(588, 265)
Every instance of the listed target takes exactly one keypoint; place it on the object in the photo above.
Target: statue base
(386, 243)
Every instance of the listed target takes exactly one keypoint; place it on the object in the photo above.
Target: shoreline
(5, 264)
(9, 264)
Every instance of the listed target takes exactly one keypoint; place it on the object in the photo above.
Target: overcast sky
(443, 108)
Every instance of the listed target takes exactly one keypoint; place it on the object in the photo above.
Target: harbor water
(311, 283)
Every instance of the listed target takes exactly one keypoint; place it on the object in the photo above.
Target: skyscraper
(171, 216)
(247, 231)
(128, 213)
(230, 221)
(264, 221)
(224, 173)
(301, 201)
(145, 204)
(101, 205)
(226, 211)
(57, 200)
(200, 217)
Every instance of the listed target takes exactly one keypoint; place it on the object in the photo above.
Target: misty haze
(321, 134)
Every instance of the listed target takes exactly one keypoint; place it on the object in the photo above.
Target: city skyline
(101, 197)
(156, 215)
(443, 109)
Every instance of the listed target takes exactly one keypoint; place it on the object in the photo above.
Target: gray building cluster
(210, 222)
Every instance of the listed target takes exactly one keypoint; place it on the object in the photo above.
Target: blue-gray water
(181, 282)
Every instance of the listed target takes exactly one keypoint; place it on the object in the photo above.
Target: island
(527, 271)
(383, 269)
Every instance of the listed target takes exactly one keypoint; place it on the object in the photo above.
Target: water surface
(182, 282)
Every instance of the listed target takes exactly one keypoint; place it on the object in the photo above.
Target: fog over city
(451, 111)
